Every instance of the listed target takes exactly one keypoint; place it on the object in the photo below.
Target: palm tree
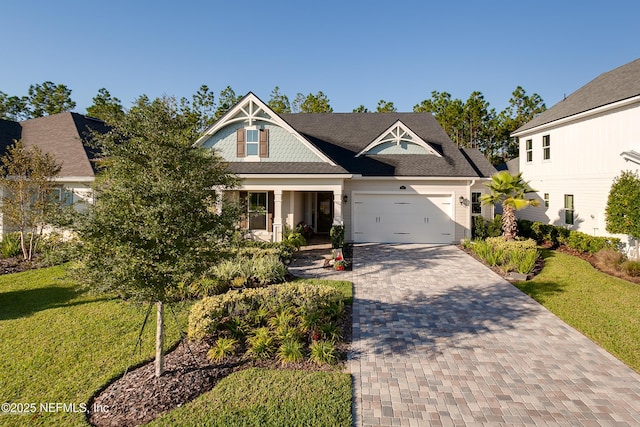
(510, 191)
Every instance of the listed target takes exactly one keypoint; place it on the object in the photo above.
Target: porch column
(277, 216)
(337, 207)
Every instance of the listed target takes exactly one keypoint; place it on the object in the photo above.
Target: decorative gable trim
(250, 110)
(397, 133)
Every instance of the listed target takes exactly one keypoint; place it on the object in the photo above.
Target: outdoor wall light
(461, 200)
(345, 198)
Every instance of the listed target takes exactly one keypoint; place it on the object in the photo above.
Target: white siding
(585, 158)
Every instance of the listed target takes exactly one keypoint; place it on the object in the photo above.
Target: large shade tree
(509, 191)
(159, 218)
(623, 206)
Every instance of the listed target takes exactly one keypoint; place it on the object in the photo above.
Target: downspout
(469, 221)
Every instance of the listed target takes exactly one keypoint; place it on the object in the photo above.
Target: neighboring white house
(571, 153)
(388, 177)
(66, 137)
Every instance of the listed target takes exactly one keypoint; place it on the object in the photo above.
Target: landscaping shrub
(524, 229)
(549, 234)
(250, 271)
(609, 258)
(494, 227)
(631, 268)
(10, 245)
(223, 348)
(323, 352)
(479, 228)
(586, 243)
(270, 320)
(293, 237)
(56, 249)
(336, 234)
(514, 255)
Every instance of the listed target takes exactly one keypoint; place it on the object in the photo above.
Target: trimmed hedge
(555, 236)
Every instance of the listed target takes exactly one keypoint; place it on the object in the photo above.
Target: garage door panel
(402, 218)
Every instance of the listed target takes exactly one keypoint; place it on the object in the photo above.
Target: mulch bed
(17, 265)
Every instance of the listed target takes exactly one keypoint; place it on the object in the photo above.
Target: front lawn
(264, 397)
(60, 345)
(604, 308)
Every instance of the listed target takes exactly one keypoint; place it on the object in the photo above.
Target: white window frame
(248, 143)
(546, 147)
(476, 203)
(569, 210)
(254, 213)
(529, 150)
(546, 200)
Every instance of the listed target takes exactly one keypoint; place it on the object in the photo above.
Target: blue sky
(356, 52)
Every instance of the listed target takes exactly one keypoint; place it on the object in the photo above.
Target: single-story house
(387, 177)
(66, 136)
(572, 152)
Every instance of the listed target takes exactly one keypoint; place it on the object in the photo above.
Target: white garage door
(402, 218)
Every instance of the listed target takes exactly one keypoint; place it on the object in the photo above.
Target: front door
(325, 211)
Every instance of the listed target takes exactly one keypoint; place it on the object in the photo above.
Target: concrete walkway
(438, 339)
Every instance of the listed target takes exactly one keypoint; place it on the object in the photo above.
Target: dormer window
(252, 142)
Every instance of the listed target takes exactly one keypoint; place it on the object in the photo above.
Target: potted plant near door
(339, 265)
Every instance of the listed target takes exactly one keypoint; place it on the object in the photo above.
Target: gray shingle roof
(615, 85)
(66, 136)
(479, 162)
(341, 136)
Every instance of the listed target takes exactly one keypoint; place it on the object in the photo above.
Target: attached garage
(402, 218)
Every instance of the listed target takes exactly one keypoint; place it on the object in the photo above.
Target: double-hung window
(476, 204)
(546, 147)
(257, 210)
(529, 149)
(568, 209)
(546, 200)
(253, 142)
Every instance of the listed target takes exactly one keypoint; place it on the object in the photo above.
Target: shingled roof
(341, 136)
(66, 136)
(616, 85)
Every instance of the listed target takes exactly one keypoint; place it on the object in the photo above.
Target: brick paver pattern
(439, 339)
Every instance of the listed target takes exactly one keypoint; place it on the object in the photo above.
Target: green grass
(60, 345)
(262, 397)
(604, 308)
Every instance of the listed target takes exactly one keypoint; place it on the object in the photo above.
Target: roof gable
(400, 136)
(610, 87)
(342, 136)
(250, 111)
(63, 135)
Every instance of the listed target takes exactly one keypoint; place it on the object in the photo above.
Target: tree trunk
(159, 338)
(23, 246)
(509, 223)
(637, 254)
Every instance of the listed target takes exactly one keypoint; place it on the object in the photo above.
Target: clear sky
(356, 52)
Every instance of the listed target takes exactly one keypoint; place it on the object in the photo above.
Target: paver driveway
(439, 339)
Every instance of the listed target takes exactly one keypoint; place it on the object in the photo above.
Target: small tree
(623, 206)
(509, 190)
(27, 201)
(159, 218)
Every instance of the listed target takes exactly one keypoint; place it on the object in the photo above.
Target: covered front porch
(270, 205)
